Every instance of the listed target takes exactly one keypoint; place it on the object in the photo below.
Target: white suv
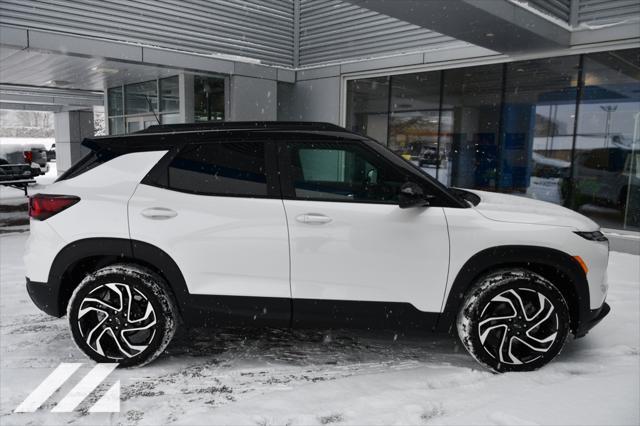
(299, 225)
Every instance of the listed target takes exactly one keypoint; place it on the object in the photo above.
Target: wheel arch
(560, 268)
(79, 258)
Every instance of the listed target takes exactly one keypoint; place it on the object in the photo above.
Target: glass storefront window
(368, 107)
(606, 185)
(170, 118)
(141, 97)
(116, 106)
(537, 127)
(169, 94)
(208, 98)
(414, 119)
(134, 107)
(473, 98)
(116, 126)
(512, 128)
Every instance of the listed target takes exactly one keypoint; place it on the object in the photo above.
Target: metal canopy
(36, 98)
(499, 25)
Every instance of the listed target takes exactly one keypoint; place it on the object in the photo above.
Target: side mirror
(412, 195)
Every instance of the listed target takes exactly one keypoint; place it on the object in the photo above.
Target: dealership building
(539, 98)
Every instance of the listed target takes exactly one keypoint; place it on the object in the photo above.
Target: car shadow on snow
(301, 347)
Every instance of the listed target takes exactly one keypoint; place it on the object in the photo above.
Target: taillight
(28, 157)
(43, 206)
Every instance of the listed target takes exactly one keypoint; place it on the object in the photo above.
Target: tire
(513, 320)
(103, 305)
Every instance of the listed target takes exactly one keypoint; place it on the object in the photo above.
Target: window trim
(158, 176)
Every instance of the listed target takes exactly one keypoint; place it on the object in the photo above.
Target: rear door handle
(313, 218)
(159, 213)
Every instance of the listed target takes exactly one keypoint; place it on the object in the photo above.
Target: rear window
(225, 168)
(88, 162)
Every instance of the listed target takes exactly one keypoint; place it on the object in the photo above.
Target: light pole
(609, 109)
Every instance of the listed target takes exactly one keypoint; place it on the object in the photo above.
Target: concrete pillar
(187, 110)
(311, 100)
(71, 127)
(252, 99)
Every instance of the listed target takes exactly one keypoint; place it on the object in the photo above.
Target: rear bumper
(45, 297)
(595, 316)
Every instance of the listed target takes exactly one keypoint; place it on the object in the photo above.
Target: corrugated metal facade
(259, 29)
(607, 11)
(334, 31)
(560, 9)
(330, 31)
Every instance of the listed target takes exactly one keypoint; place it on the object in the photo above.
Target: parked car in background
(51, 154)
(34, 155)
(604, 176)
(424, 153)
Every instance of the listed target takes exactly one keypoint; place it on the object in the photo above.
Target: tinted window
(90, 161)
(343, 172)
(220, 169)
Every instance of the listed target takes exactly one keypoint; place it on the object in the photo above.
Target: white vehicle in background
(299, 225)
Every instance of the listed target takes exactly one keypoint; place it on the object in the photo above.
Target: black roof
(167, 135)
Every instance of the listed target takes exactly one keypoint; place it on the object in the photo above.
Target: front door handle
(313, 218)
(159, 213)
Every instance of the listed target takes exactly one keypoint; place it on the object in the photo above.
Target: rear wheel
(124, 314)
(514, 320)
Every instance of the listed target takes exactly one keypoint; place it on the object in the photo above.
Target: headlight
(592, 236)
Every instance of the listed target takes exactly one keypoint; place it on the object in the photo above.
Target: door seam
(286, 219)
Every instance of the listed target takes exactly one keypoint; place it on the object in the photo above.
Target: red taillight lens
(28, 157)
(43, 206)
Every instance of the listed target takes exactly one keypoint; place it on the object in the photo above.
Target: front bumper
(45, 297)
(592, 320)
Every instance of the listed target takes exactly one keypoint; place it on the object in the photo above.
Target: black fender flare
(532, 257)
(120, 249)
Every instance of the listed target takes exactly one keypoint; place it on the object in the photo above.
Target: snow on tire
(122, 313)
(513, 320)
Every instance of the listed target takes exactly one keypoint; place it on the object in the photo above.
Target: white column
(187, 107)
(71, 127)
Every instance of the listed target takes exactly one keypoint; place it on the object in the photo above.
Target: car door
(351, 243)
(217, 212)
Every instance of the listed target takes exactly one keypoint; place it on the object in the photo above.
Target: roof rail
(240, 125)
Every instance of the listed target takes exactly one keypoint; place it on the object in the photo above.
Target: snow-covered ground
(278, 377)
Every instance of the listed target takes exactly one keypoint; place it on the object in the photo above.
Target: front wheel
(514, 320)
(123, 314)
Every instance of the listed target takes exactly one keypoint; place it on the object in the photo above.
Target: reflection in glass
(170, 118)
(537, 125)
(141, 97)
(115, 101)
(208, 98)
(169, 94)
(606, 183)
(414, 119)
(116, 126)
(473, 95)
(368, 107)
(510, 128)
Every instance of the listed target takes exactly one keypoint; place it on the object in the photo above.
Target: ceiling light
(58, 83)
(105, 70)
(489, 35)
